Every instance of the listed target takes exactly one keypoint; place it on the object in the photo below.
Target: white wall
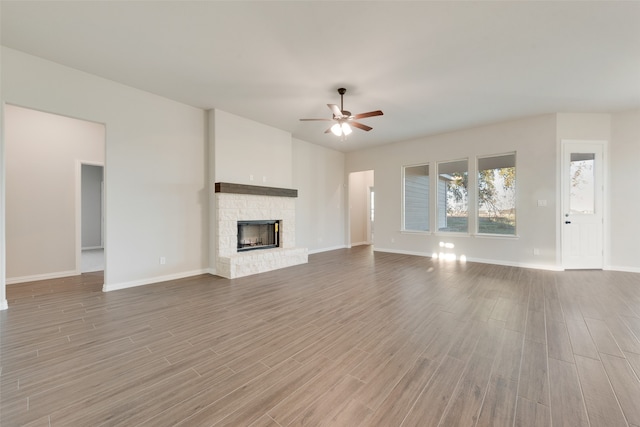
(534, 140)
(359, 185)
(318, 174)
(91, 205)
(248, 152)
(624, 192)
(584, 126)
(156, 159)
(42, 152)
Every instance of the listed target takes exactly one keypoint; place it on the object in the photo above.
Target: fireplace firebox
(258, 235)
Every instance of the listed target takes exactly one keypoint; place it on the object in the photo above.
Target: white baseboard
(516, 264)
(332, 248)
(46, 276)
(151, 280)
(360, 243)
(401, 252)
(622, 268)
(90, 248)
(479, 260)
(3, 305)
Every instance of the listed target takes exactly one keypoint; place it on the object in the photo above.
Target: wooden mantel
(256, 190)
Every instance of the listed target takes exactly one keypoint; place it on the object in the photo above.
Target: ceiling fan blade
(311, 120)
(328, 130)
(361, 126)
(335, 110)
(369, 114)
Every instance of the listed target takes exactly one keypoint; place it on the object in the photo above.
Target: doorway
(371, 207)
(361, 208)
(91, 247)
(43, 153)
(583, 170)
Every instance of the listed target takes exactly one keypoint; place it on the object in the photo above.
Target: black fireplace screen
(258, 235)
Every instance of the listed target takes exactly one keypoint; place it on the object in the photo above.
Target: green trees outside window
(497, 194)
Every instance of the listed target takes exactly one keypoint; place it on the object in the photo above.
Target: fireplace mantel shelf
(256, 190)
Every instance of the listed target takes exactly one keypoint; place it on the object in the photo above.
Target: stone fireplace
(237, 203)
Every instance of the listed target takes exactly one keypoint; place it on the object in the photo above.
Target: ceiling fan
(343, 118)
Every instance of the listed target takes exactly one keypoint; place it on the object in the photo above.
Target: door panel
(582, 204)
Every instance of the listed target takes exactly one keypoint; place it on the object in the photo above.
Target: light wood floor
(353, 338)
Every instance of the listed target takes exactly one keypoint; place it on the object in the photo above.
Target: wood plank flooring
(354, 338)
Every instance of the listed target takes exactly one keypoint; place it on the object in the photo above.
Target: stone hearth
(235, 202)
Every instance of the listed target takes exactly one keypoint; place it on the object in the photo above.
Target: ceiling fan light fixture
(341, 129)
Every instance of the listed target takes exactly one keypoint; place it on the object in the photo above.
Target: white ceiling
(431, 67)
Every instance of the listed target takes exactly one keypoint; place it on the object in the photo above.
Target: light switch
(542, 203)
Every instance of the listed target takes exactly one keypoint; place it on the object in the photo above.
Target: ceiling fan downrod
(342, 91)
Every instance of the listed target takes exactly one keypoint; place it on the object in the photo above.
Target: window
(416, 198)
(453, 211)
(497, 194)
(582, 197)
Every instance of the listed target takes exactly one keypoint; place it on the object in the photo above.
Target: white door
(582, 204)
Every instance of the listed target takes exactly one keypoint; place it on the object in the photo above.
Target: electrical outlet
(250, 177)
(163, 260)
(536, 251)
(264, 179)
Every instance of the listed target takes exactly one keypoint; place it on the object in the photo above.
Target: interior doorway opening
(43, 155)
(92, 218)
(361, 208)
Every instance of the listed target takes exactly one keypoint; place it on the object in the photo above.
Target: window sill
(497, 236)
(458, 234)
(452, 233)
(427, 232)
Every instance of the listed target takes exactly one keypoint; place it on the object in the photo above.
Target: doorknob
(567, 222)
